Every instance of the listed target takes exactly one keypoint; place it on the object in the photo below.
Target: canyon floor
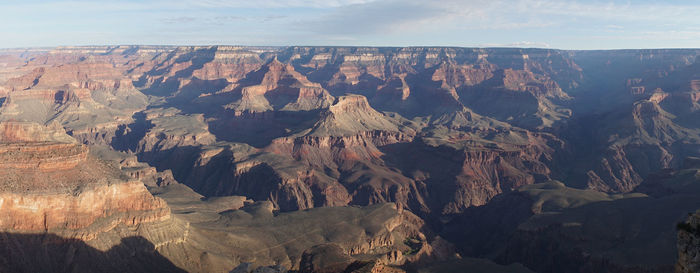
(348, 159)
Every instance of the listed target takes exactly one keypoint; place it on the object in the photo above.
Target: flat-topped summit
(350, 115)
(50, 181)
(36, 158)
(32, 147)
(29, 132)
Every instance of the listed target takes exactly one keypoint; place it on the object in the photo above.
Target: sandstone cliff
(91, 98)
(437, 131)
(50, 182)
(58, 196)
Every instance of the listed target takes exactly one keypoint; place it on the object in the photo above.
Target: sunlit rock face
(51, 182)
(59, 198)
(294, 136)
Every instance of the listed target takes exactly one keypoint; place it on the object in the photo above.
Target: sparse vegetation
(683, 226)
(687, 227)
(414, 243)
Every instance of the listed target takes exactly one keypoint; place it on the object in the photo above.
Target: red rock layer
(41, 156)
(125, 203)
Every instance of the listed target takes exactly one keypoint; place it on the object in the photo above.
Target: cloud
(385, 15)
(275, 3)
(616, 27)
(220, 20)
(550, 21)
(519, 44)
(374, 17)
(165, 5)
(667, 35)
(269, 18)
(558, 23)
(390, 16)
(179, 20)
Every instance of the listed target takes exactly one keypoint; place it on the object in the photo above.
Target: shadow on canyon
(127, 137)
(197, 59)
(51, 253)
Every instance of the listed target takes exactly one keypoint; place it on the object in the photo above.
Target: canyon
(349, 159)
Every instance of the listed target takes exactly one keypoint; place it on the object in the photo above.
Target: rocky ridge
(437, 131)
(98, 203)
(51, 182)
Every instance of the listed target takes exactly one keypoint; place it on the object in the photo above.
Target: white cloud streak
(453, 22)
(482, 14)
(277, 3)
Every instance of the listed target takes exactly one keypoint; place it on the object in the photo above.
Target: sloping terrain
(59, 202)
(358, 152)
(550, 227)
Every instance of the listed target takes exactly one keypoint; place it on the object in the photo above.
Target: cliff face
(350, 130)
(128, 203)
(58, 199)
(27, 132)
(90, 97)
(50, 182)
(461, 177)
(347, 157)
(550, 228)
(436, 131)
(257, 95)
(647, 132)
(277, 86)
(313, 149)
(425, 76)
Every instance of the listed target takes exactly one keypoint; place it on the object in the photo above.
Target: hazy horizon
(345, 46)
(567, 25)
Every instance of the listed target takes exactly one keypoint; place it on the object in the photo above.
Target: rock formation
(50, 182)
(468, 139)
(54, 186)
(550, 227)
(688, 245)
(89, 98)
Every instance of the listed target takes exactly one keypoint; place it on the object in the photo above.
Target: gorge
(348, 159)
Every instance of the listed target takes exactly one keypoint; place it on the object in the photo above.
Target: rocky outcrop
(437, 131)
(415, 249)
(183, 73)
(27, 132)
(459, 178)
(422, 81)
(82, 75)
(615, 173)
(27, 146)
(349, 115)
(42, 156)
(50, 182)
(457, 76)
(325, 258)
(90, 97)
(550, 227)
(350, 130)
(127, 203)
(277, 101)
(642, 140)
(170, 129)
(688, 245)
(277, 86)
(92, 201)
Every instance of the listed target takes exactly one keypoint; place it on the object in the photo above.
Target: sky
(576, 24)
